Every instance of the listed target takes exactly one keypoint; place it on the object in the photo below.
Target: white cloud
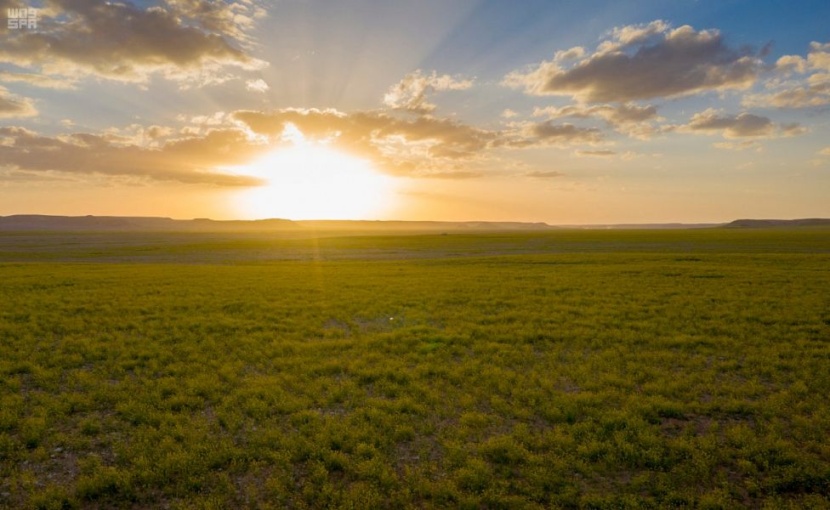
(809, 88)
(410, 94)
(257, 85)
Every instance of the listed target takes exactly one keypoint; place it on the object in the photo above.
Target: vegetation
(518, 370)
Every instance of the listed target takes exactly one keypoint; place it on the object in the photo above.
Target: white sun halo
(309, 180)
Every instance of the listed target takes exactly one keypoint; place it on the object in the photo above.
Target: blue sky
(661, 111)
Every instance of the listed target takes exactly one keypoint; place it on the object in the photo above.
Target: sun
(310, 180)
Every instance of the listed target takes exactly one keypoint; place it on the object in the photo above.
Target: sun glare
(312, 181)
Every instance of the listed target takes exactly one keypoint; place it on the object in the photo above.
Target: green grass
(562, 370)
(223, 248)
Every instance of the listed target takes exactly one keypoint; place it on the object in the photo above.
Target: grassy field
(573, 369)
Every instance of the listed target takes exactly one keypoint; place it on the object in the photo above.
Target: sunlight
(313, 181)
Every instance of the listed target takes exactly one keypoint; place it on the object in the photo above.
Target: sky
(565, 112)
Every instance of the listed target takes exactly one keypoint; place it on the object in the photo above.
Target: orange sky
(474, 110)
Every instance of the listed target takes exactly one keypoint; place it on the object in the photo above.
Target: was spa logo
(22, 18)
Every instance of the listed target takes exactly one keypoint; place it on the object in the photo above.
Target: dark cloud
(600, 154)
(186, 40)
(792, 129)
(731, 126)
(190, 160)
(218, 16)
(630, 119)
(743, 125)
(551, 174)
(613, 115)
(550, 132)
(547, 133)
(644, 62)
(36, 80)
(15, 106)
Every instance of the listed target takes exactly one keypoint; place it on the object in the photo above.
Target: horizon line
(526, 222)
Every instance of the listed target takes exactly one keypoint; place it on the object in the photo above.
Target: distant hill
(134, 224)
(39, 222)
(643, 226)
(806, 222)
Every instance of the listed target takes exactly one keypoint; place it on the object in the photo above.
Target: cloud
(792, 129)
(552, 174)
(731, 126)
(797, 97)
(37, 80)
(422, 146)
(233, 19)
(810, 87)
(614, 115)
(743, 125)
(453, 175)
(157, 132)
(570, 54)
(184, 40)
(399, 146)
(633, 34)
(628, 118)
(644, 62)
(258, 85)
(15, 106)
(410, 94)
(791, 64)
(18, 176)
(548, 133)
(416, 147)
(825, 151)
(819, 56)
(738, 145)
(191, 160)
(599, 154)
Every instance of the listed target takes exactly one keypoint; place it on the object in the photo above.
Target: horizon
(610, 114)
(462, 221)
